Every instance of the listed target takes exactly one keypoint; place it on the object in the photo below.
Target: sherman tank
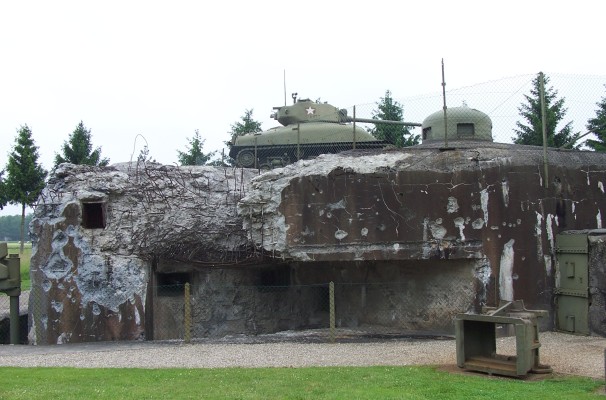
(308, 129)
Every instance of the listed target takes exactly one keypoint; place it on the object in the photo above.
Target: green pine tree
(240, 128)
(391, 110)
(26, 176)
(79, 149)
(532, 133)
(246, 125)
(194, 154)
(597, 125)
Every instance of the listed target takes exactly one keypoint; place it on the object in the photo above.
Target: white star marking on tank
(310, 110)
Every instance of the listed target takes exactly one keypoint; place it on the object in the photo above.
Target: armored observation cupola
(462, 123)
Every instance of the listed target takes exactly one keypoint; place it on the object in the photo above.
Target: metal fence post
(256, 164)
(331, 294)
(354, 128)
(187, 317)
(298, 142)
(14, 320)
(544, 126)
(444, 107)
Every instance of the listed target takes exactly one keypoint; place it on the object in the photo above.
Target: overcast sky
(164, 69)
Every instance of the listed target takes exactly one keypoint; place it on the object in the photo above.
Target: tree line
(528, 131)
(24, 177)
(10, 227)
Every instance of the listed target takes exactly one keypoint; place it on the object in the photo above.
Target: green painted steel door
(572, 291)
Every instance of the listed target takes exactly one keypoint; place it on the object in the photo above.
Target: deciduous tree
(532, 132)
(26, 176)
(79, 149)
(399, 135)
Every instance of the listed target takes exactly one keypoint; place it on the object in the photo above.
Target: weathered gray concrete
(91, 283)
(597, 283)
(479, 201)
(456, 228)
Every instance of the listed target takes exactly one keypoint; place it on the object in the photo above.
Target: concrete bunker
(409, 237)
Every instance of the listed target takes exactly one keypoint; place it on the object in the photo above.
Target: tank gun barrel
(308, 129)
(380, 121)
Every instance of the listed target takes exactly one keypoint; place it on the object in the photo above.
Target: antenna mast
(284, 80)
(444, 107)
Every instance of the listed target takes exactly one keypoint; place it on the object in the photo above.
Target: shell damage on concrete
(90, 282)
(475, 219)
(472, 201)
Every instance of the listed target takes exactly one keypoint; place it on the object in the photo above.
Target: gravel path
(566, 354)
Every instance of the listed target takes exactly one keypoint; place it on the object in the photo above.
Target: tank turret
(308, 130)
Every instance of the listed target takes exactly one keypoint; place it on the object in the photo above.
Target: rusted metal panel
(579, 298)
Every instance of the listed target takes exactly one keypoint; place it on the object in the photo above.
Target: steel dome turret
(463, 123)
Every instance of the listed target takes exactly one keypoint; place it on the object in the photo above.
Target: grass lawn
(281, 383)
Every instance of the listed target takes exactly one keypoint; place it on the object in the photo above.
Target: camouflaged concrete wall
(97, 232)
(597, 283)
(456, 228)
(486, 202)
